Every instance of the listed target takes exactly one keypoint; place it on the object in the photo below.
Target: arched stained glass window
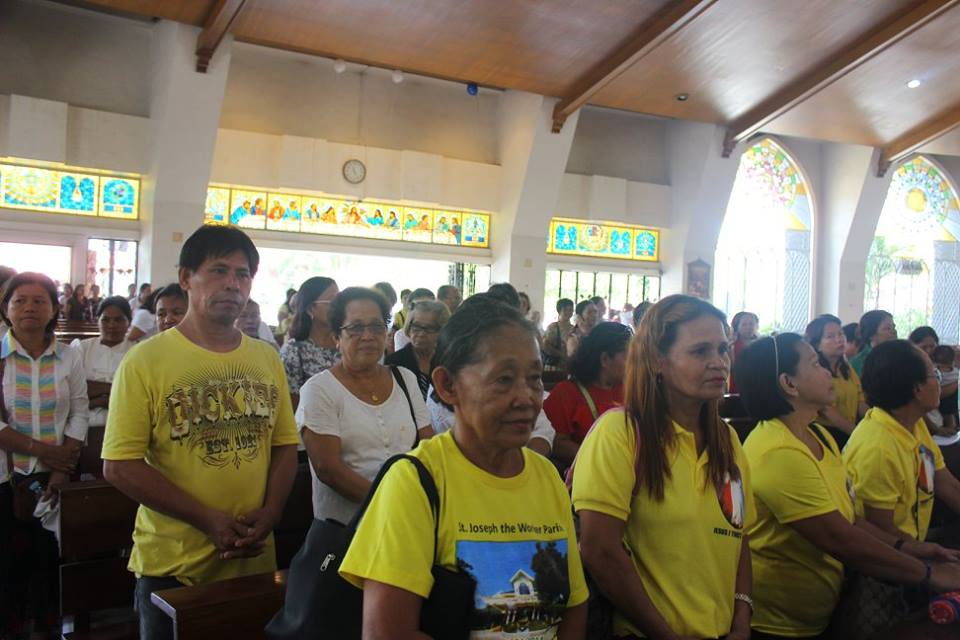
(763, 252)
(912, 268)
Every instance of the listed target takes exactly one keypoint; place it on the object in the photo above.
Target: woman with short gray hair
(423, 325)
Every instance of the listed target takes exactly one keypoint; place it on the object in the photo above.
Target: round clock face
(354, 171)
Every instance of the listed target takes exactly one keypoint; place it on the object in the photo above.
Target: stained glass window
(763, 252)
(603, 240)
(301, 213)
(68, 191)
(920, 210)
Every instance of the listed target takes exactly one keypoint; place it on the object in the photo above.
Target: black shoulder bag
(320, 604)
(403, 387)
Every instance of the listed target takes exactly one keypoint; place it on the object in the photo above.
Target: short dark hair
(944, 355)
(563, 303)
(505, 293)
(596, 299)
(852, 332)
(814, 334)
(758, 369)
(582, 306)
(211, 241)
(115, 301)
(641, 310)
(310, 290)
(870, 324)
(891, 374)
(338, 306)
(388, 292)
(418, 294)
(143, 287)
(460, 340)
(30, 277)
(172, 290)
(608, 338)
(445, 290)
(5, 274)
(920, 334)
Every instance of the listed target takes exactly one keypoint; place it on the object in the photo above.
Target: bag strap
(589, 399)
(403, 387)
(3, 402)
(822, 438)
(426, 481)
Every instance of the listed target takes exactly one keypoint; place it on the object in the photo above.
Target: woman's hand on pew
(59, 457)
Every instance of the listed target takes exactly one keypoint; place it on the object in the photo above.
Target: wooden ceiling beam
(916, 138)
(215, 27)
(663, 25)
(873, 42)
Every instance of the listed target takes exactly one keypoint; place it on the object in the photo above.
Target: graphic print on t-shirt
(522, 587)
(927, 469)
(732, 499)
(223, 415)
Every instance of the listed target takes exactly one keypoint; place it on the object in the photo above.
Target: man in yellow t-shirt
(686, 548)
(514, 535)
(800, 582)
(201, 433)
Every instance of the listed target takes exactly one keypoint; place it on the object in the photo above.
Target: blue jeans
(154, 623)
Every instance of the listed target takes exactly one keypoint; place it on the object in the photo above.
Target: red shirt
(569, 412)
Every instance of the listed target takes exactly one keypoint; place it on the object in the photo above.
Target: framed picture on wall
(698, 279)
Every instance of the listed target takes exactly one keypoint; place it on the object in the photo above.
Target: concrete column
(702, 181)
(533, 162)
(184, 116)
(946, 290)
(796, 280)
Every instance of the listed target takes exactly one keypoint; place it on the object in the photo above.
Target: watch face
(354, 172)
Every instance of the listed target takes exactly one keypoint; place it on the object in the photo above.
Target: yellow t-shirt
(796, 585)
(207, 422)
(893, 469)
(686, 549)
(848, 394)
(504, 531)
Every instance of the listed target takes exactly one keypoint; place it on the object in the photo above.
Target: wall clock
(354, 171)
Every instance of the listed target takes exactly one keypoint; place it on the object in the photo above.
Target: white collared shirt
(72, 406)
(100, 362)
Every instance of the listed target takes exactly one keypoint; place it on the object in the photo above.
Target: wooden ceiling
(826, 69)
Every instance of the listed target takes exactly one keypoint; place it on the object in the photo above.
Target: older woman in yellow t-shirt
(505, 515)
(825, 335)
(662, 487)
(806, 528)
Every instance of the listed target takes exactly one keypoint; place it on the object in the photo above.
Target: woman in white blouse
(101, 356)
(42, 427)
(354, 416)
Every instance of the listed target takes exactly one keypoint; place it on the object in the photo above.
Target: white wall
(620, 144)
(279, 92)
(87, 59)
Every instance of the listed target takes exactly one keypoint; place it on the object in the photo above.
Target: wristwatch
(742, 597)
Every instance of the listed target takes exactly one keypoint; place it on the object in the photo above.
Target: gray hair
(438, 309)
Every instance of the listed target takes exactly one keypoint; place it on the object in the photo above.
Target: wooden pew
(236, 608)
(96, 523)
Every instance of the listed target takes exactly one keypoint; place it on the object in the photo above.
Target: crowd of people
(681, 530)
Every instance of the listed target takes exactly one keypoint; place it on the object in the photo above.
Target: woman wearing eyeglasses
(312, 347)
(357, 414)
(897, 468)
(807, 529)
(423, 326)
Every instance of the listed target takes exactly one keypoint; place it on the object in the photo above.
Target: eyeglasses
(424, 328)
(938, 375)
(375, 329)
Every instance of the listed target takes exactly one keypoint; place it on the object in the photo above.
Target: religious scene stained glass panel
(74, 192)
(763, 251)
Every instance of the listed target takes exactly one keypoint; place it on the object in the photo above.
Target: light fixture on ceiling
(397, 76)
(913, 84)
(682, 97)
(339, 65)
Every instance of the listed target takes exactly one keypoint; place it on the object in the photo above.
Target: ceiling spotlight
(339, 65)
(397, 76)
(682, 97)
(913, 84)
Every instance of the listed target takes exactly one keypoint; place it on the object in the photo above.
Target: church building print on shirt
(522, 587)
